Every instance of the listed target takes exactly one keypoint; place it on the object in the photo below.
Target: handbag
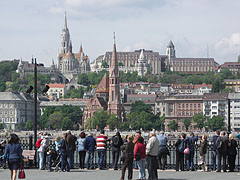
(21, 174)
(186, 151)
(138, 154)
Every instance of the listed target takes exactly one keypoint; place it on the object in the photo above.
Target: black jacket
(203, 147)
(128, 151)
(232, 145)
(120, 143)
(224, 147)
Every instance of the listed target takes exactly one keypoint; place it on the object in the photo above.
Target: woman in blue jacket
(13, 154)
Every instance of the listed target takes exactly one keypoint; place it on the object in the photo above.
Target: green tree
(187, 122)
(83, 79)
(120, 64)
(113, 121)
(67, 124)
(173, 125)
(160, 123)
(215, 123)
(1, 126)
(199, 120)
(55, 120)
(100, 118)
(104, 64)
(139, 106)
(29, 125)
(124, 126)
(76, 93)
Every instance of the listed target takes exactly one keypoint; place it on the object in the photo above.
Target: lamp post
(229, 117)
(35, 101)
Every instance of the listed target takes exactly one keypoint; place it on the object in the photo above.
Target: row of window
(187, 105)
(188, 113)
(6, 112)
(6, 105)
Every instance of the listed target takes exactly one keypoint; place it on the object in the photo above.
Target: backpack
(38, 143)
(181, 146)
(116, 140)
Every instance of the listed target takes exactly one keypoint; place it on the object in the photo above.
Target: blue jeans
(70, 159)
(141, 166)
(214, 160)
(64, 162)
(41, 160)
(101, 155)
(89, 159)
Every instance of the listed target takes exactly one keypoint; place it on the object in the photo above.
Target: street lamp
(35, 100)
(229, 120)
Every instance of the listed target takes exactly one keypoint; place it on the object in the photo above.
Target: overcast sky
(33, 27)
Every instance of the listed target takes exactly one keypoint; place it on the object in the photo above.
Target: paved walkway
(75, 174)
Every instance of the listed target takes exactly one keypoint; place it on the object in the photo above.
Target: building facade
(56, 91)
(16, 109)
(234, 99)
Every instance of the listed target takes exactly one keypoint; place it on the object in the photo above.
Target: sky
(32, 28)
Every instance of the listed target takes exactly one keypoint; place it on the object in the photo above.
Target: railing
(171, 160)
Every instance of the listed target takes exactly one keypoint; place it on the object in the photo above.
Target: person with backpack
(42, 150)
(71, 147)
(64, 152)
(81, 150)
(191, 141)
(222, 150)
(180, 147)
(117, 142)
(163, 150)
(203, 152)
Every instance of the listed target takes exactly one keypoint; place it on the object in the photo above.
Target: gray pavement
(34, 174)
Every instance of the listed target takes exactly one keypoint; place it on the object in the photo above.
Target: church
(107, 94)
(71, 64)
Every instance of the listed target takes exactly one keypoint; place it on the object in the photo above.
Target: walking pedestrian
(128, 154)
(140, 157)
(232, 152)
(214, 151)
(152, 153)
(117, 142)
(222, 149)
(13, 154)
(203, 152)
(89, 145)
(162, 151)
(101, 148)
(180, 146)
(81, 149)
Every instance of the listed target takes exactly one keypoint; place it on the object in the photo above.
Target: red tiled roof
(56, 85)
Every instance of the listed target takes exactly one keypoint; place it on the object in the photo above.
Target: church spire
(114, 62)
(65, 20)
(65, 36)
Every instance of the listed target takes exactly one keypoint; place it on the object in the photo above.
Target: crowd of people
(133, 152)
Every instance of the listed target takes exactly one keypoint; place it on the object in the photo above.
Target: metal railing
(171, 160)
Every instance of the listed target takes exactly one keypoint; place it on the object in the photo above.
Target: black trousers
(231, 162)
(82, 155)
(128, 163)
(115, 156)
(221, 157)
(152, 165)
(179, 161)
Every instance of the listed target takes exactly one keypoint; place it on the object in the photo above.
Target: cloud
(228, 47)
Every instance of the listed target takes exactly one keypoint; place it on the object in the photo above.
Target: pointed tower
(170, 52)
(65, 37)
(141, 65)
(114, 103)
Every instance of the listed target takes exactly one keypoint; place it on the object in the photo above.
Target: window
(112, 81)
(179, 106)
(112, 95)
(187, 106)
(6, 112)
(182, 105)
(195, 106)
(116, 81)
(191, 106)
(198, 106)
(182, 113)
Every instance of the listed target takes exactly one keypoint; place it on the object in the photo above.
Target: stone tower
(114, 103)
(170, 52)
(65, 37)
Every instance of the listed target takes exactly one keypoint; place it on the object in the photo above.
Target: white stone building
(235, 110)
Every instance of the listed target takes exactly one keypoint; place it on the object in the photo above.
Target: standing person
(162, 151)
(128, 152)
(135, 141)
(222, 149)
(89, 145)
(71, 147)
(42, 150)
(214, 152)
(101, 148)
(191, 141)
(63, 149)
(152, 153)
(141, 149)
(57, 142)
(232, 152)
(180, 146)
(117, 142)
(13, 154)
(203, 152)
(81, 149)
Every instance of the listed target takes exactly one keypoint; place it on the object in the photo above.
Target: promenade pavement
(33, 174)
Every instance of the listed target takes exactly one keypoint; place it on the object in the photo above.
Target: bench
(28, 156)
